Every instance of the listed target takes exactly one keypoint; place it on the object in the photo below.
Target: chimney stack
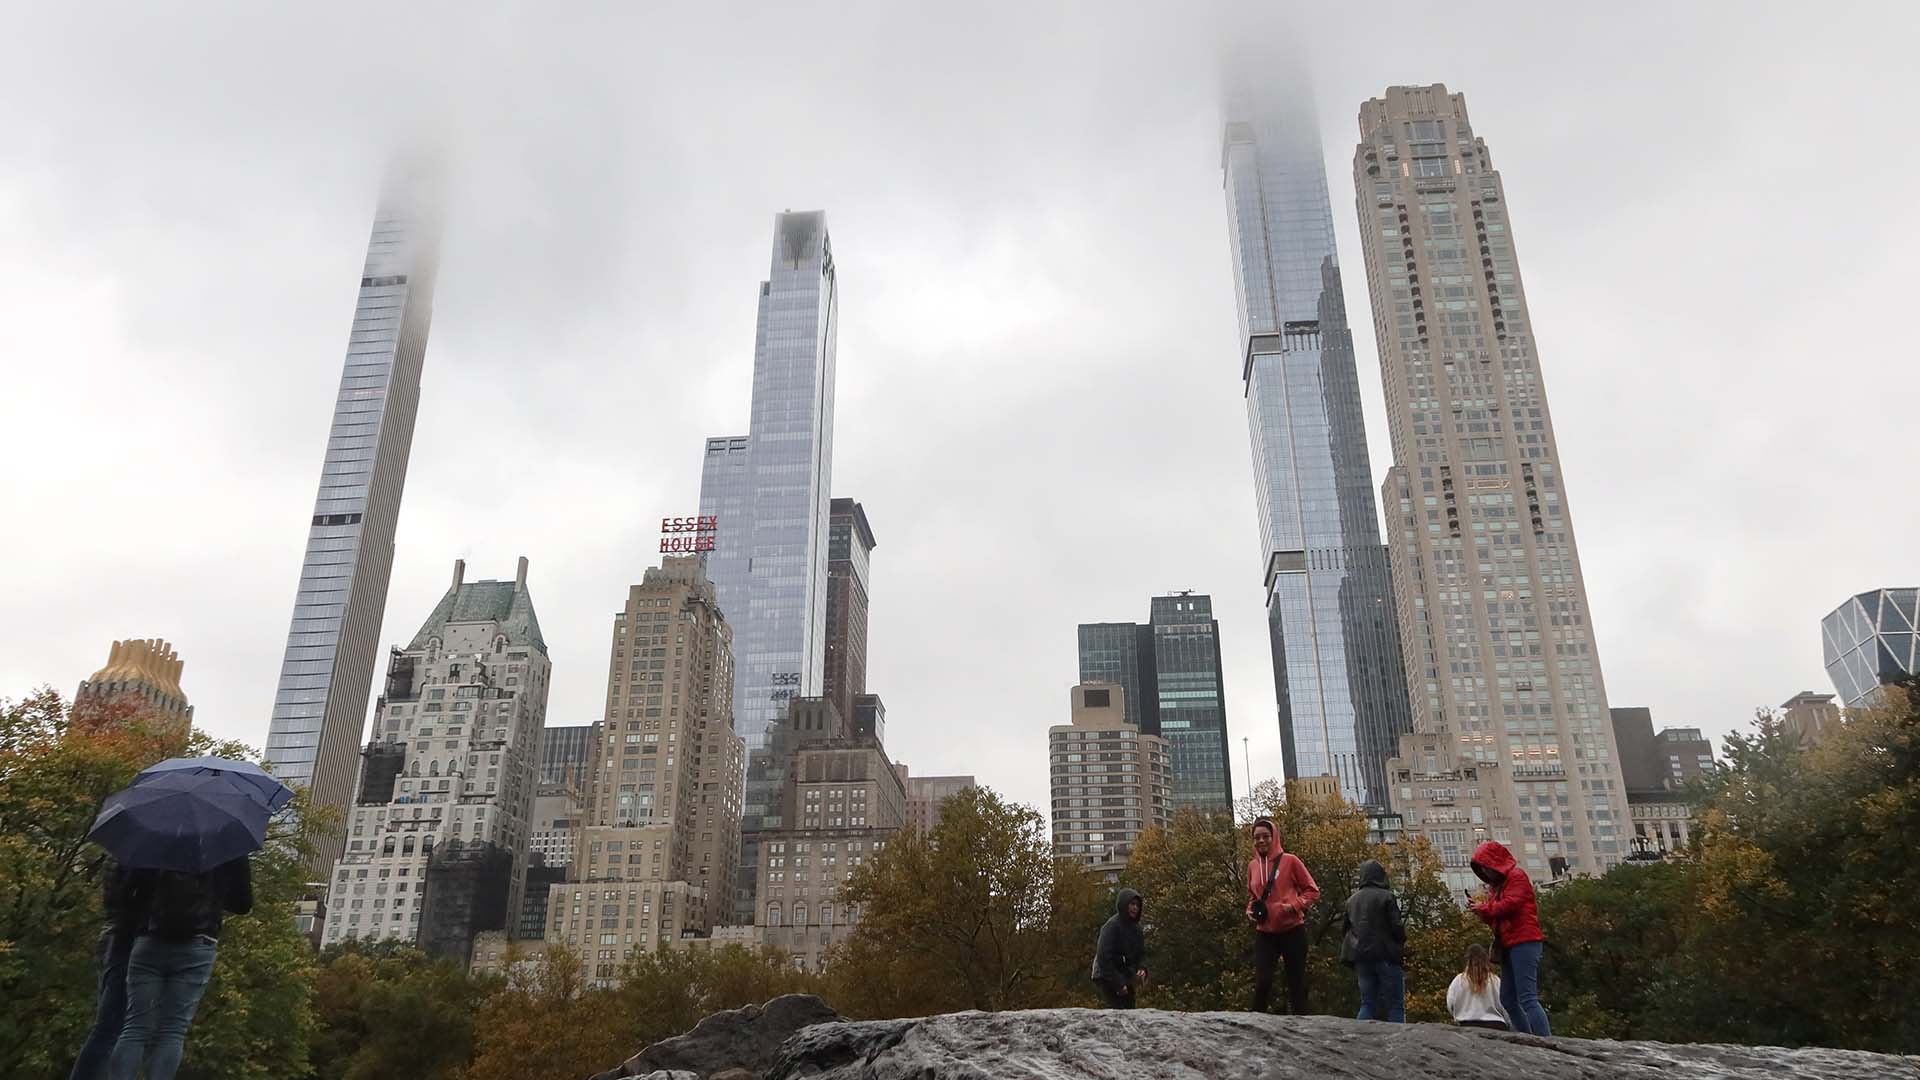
(459, 572)
(520, 577)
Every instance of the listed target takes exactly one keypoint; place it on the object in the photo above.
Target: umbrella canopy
(244, 775)
(183, 820)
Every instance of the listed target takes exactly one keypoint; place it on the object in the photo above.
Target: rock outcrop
(741, 1042)
(1077, 1044)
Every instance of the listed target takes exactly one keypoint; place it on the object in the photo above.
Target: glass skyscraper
(1170, 670)
(1336, 658)
(770, 491)
(320, 706)
(1122, 654)
(1870, 640)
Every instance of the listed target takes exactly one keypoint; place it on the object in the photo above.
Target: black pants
(1269, 950)
(1116, 997)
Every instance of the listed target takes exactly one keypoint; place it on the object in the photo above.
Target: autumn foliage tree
(975, 914)
(57, 766)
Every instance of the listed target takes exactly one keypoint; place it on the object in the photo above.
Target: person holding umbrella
(182, 833)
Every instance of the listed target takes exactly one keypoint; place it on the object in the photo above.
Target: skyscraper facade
(1337, 671)
(850, 547)
(1169, 667)
(771, 495)
(1513, 739)
(1122, 654)
(320, 705)
(1191, 713)
(769, 490)
(658, 843)
(1871, 640)
(567, 754)
(438, 835)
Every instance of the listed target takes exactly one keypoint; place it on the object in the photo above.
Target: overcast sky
(1039, 394)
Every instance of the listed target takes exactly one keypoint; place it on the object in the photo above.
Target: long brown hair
(1479, 967)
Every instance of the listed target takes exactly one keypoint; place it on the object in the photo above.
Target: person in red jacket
(1514, 914)
(1279, 891)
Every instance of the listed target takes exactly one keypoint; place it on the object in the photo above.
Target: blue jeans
(111, 1010)
(1383, 991)
(1520, 988)
(164, 982)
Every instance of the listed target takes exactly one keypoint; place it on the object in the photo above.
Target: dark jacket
(1122, 950)
(176, 906)
(1374, 928)
(1510, 907)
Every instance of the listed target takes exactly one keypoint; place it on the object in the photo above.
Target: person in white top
(1474, 997)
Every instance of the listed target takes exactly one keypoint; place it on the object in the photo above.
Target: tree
(546, 1022)
(388, 1009)
(57, 766)
(975, 914)
(55, 771)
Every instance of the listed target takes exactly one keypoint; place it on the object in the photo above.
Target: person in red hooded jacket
(1513, 913)
(1279, 891)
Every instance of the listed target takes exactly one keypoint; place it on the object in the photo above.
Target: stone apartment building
(841, 801)
(437, 836)
(656, 848)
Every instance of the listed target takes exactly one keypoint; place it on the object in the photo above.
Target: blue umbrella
(242, 774)
(183, 819)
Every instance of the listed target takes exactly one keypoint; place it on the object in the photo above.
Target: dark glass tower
(1122, 653)
(1170, 669)
(1336, 658)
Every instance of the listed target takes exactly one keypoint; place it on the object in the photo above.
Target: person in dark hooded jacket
(1120, 959)
(1514, 914)
(1375, 944)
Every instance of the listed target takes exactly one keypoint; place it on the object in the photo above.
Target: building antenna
(1246, 755)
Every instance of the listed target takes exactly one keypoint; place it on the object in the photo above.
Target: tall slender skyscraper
(320, 707)
(1336, 662)
(770, 491)
(1512, 736)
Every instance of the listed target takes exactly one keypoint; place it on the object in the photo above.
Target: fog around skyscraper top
(1038, 392)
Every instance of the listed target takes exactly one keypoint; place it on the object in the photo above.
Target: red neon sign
(688, 535)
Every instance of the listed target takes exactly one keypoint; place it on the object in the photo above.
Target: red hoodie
(1510, 907)
(1293, 889)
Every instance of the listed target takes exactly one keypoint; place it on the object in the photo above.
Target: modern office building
(655, 855)
(1336, 662)
(567, 754)
(850, 547)
(320, 705)
(1122, 654)
(1170, 670)
(436, 850)
(1807, 717)
(142, 676)
(769, 490)
(1869, 641)
(1509, 708)
(1110, 783)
